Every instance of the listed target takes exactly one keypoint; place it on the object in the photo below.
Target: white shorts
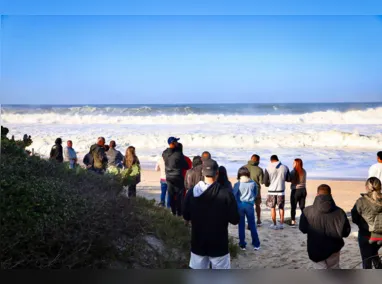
(203, 262)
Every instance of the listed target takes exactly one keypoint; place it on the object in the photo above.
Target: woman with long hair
(223, 178)
(131, 175)
(298, 188)
(367, 214)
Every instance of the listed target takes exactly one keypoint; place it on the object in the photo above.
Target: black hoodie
(326, 226)
(56, 151)
(210, 211)
(175, 163)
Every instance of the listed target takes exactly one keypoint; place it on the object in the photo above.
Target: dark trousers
(369, 253)
(297, 196)
(176, 192)
(132, 190)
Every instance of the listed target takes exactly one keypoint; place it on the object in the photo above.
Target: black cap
(210, 168)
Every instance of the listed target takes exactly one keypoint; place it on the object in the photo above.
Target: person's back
(257, 173)
(275, 176)
(194, 175)
(210, 208)
(56, 153)
(326, 225)
(175, 163)
(223, 179)
(245, 190)
(99, 157)
(114, 157)
(376, 169)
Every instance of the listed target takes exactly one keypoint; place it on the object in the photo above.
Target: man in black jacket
(175, 163)
(326, 226)
(210, 208)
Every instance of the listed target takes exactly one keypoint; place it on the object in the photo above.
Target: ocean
(335, 140)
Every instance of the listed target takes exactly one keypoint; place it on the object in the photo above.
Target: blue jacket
(245, 191)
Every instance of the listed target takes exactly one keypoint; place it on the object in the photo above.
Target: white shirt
(376, 171)
(161, 167)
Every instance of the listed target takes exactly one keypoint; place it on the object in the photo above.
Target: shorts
(273, 200)
(203, 262)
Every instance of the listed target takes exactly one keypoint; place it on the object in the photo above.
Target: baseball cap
(210, 168)
(172, 139)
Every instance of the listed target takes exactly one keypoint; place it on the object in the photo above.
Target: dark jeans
(176, 191)
(297, 196)
(163, 187)
(367, 252)
(246, 210)
(132, 190)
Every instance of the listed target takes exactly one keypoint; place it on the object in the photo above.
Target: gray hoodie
(245, 190)
(275, 176)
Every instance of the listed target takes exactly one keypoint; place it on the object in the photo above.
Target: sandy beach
(283, 248)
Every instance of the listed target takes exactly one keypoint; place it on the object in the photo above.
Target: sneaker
(256, 248)
(259, 224)
(281, 226)
(274, 227)
(242, 248)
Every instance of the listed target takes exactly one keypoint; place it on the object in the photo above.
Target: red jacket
(189, 162)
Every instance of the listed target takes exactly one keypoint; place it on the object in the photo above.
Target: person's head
(101, 141)
(324, 189)
(210, 170)
(69, 143)
(379, 157)
(243, 172)
(373, 187)
(206, 155)
(172, 142)
(274, 158)
(223, 176)
(112, 144)
(130, 156)
(255, 158)
(196, 161)
(58, 141)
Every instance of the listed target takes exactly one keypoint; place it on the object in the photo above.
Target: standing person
(210, 208)
(163, 183)
(206, 155)
(194, 175)
(376, 169)
(367, 214)
(56, 151)
(88, 161)
(257, 175)
(326, 226)
(70, 155)
(175, 164)
(188, 161)
(114, 157)
(97, 151)
(298, 189)
(275, 176)
(132, 173)
(223, 178)
(245, 192)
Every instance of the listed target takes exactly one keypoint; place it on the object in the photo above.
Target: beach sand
(282, 248)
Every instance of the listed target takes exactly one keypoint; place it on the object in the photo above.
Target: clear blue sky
(190, 59)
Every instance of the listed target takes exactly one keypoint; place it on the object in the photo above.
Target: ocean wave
(92, 115)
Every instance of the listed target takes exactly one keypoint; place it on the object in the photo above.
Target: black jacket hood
(324, 204)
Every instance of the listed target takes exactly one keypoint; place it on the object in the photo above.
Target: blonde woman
(131, 175)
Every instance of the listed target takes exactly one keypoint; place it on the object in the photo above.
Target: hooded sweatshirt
(245, 190)
(99, 157)
(275, 176)
(326, 226)
(257, 173)
(56, 151)
(210, 209)
(367, 214)
(175, 163)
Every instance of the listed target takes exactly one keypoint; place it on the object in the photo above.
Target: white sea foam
(79, 116)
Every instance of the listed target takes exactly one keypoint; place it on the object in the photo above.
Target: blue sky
(190, 59)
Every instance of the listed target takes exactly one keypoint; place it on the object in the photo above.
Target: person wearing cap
(210, 208)
(175, 164)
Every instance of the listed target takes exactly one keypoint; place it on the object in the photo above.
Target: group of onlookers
(102, 159)
(200, 191)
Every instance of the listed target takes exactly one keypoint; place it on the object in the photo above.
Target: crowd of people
(200, 192)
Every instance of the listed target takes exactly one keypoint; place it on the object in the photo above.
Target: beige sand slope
(284, 248)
